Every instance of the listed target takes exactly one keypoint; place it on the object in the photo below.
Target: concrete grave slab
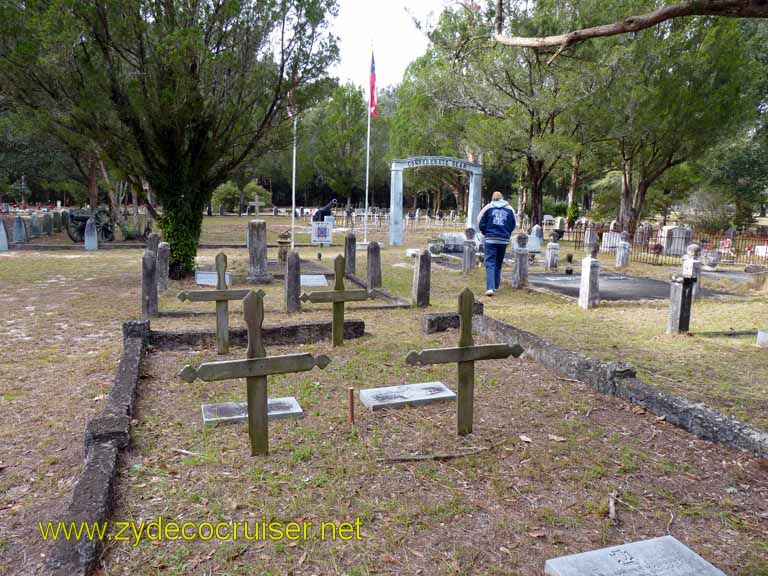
(205, 278)
(234, 412)
(313, 280)
(663, 556)
(612, 286)
(405, 395)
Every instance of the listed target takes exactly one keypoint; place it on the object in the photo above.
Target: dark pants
(494, 258)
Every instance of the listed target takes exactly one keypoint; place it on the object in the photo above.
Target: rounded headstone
(694, 250)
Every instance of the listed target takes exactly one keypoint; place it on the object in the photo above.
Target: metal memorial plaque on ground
(405, 395)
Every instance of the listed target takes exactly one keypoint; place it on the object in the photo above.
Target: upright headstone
(257, 253)
(91, 236)
(469, 257)
(623, 251)
(47, 224)
(292, 282)
(520, 273)
(590, 238)
(283, 246)
(221, 209)
(589, 290)
(153, 242)
(374, 266)
(680, 300)
(537, 232)
(762, 338)
(692, 267)
(149, 302)
(560, 224)
(34, 226)
(19, 231)
(614, 227)
(3, 237)
(422, 279)
(163, 256)
(350, 253)
(553, 252)
(57, 222)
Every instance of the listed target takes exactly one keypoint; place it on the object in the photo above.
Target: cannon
(105, 228)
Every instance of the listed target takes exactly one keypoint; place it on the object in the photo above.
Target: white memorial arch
(396, 191)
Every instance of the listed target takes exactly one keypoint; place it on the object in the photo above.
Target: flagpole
(367, 169)
(293, 181)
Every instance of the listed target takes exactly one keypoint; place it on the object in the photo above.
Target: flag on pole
(373, 107)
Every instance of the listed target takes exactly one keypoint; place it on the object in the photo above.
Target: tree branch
(726, 8)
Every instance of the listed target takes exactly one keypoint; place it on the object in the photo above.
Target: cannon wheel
(105, 229)
(75, 231)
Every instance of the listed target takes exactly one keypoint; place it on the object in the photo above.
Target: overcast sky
(388, 24)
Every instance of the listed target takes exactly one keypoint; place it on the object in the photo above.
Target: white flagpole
(367, 168)
(293, 180)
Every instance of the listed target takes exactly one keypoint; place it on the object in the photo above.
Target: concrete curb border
(105, 436)
(299, 333)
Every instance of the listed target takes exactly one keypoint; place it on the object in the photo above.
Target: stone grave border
(617, 379)
(109, 433)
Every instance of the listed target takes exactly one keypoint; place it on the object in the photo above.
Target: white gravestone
(589, 288)
(405, 395)
(534, 244)
(205, 278)
(91, 236)
(663, 556)
(3, 237)
(762, 338)
(235, 412)
(610, 241)
(313, 280)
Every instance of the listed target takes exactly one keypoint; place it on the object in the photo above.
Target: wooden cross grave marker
(465, 355)
(221, 296)
(255, 370)
(338, 296)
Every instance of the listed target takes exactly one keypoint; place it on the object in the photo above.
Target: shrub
(572, 213)
(252, 189)
(227, 194)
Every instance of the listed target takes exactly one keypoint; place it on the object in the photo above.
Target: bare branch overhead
(727, 8)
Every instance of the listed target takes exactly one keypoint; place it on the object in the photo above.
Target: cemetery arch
(475, 172)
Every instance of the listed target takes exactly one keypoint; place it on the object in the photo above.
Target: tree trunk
(114, 206)
(135, 200)
(536, 179)
(93, 184)
(575, 174)
(438, 197)
(637, 205)
(625, 208)
(181, 223)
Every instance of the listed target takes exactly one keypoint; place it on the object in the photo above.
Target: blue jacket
(497, 221)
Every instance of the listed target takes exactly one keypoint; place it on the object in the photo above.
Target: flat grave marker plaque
(405, 395)
(663, 556)
(236, 412)
(313, 280)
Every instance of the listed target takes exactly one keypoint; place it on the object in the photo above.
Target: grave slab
(612, 286)
(205, 278)
(235, 412)
(313, 280)
(663, 556)
(405, 395)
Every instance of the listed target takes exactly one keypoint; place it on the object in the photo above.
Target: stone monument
(589, 289)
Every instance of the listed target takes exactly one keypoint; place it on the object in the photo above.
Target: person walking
(496, 222)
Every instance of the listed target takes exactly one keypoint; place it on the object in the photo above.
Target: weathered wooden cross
(465, 355)
(255, 370)
(221, 296)
(338, 296)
